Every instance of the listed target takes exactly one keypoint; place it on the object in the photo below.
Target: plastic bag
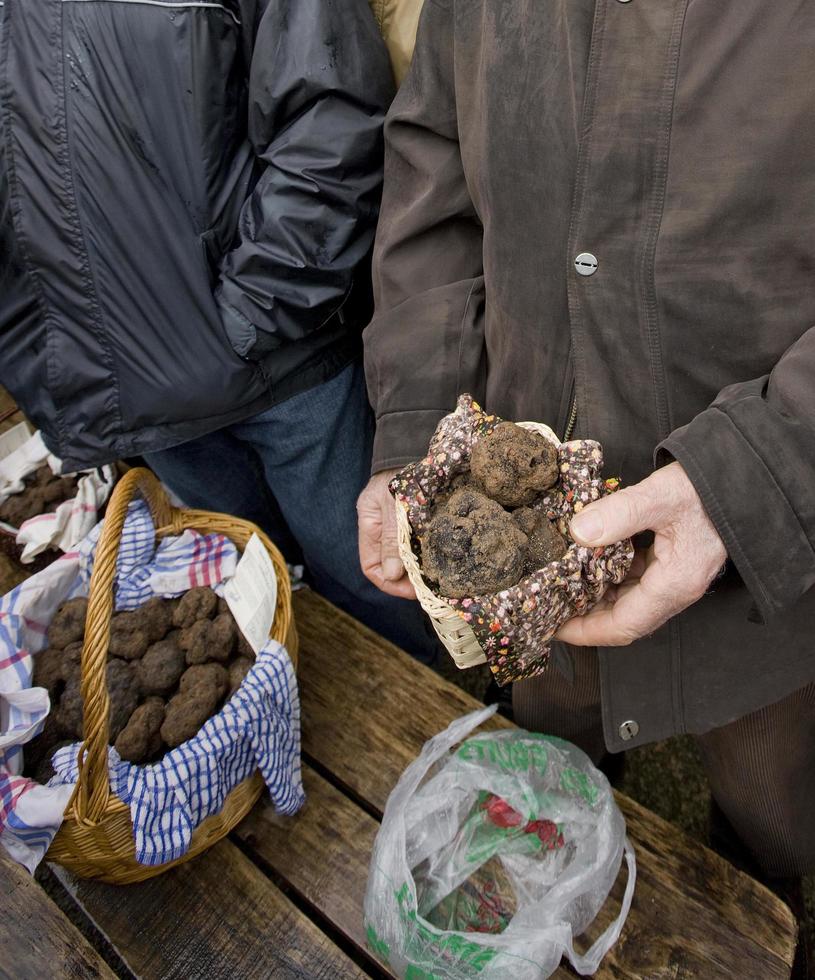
(492, 856)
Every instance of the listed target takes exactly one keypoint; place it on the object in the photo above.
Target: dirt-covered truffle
(44, 744)
(201, 689)
(160, 669)
(198, 603)
(513, 465)
(68, 713)
(128, 638)
(238, 669)
(43, 771)
(124, 695)
(209, 639)
(43, 492)
(68, 624)
(48, 671)
(546, 543)
(156, 617)
(473, 547)
(140, 739)
(244, 647)
(204, 675)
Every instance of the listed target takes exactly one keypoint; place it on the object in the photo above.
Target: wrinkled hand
(378, 550)
(687, 554)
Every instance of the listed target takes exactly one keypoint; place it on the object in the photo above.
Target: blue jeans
(296, 471)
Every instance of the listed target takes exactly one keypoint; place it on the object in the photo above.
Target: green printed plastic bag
(494, 853)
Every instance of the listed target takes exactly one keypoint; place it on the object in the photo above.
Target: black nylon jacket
(187, 191)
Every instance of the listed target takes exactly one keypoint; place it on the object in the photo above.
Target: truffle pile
(43, 493)
(171, 665)
(486, 534)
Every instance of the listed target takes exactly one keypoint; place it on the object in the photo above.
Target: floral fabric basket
(510, 630)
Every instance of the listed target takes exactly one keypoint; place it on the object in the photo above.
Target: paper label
(14, 438)
(251, 594)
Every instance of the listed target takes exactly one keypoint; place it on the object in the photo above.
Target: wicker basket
(96, 836)
(457, 635)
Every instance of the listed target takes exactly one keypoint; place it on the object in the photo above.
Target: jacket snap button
(629, 730)
(586, 264)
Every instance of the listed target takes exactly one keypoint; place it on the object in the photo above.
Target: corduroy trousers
(761, 767)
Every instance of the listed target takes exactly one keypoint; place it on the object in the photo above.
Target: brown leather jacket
(673, 141)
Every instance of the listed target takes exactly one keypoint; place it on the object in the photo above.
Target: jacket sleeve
(751, 457)
(425, 343)
(320, 83)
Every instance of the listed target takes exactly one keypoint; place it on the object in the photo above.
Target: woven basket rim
(455, 633)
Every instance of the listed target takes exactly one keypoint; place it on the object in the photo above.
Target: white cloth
(73, 519)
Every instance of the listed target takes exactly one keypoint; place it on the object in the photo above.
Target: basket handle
(93, 789)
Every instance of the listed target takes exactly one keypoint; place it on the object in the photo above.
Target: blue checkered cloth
(258, 728)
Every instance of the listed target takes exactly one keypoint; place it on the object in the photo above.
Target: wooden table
(282, 897)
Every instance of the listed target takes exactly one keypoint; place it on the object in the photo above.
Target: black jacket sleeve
(320, 82)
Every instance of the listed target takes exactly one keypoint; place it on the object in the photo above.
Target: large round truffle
(123, 691)
(209, 639)
(140, 739)
(160, 669)
(473, 547)
(68, 624)
(198, 603)
(514, 465)
(546, 543)
(200, 693)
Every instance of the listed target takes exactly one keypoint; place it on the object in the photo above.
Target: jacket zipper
(570, 423)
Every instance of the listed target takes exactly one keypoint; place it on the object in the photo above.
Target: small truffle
(204, 675)
(44, 743)
(68, 624)
(209, 639)
(140, 739)
(238, 669)
(546, 543)
(160, 669)
(128, 640)
(199, 603)
(200, 692)
(156, 618)
(473, 547)
(48, 672)
(44, 770)
(69, 713)
(514, 465)
(124, 695)
(244, 646)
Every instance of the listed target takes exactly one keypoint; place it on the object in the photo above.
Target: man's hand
(378, 550)
(671, 575)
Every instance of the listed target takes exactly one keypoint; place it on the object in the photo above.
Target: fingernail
(587, 527)
(392, 569)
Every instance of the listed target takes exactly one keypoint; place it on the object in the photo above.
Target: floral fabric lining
(515, 627)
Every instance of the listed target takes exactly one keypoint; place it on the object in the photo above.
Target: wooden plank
(214, 917)
(368, 708)
(10, 415)
(324, 851)
(36, 939)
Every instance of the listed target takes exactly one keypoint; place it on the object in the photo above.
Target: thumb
(615, 517)
(392, 568)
